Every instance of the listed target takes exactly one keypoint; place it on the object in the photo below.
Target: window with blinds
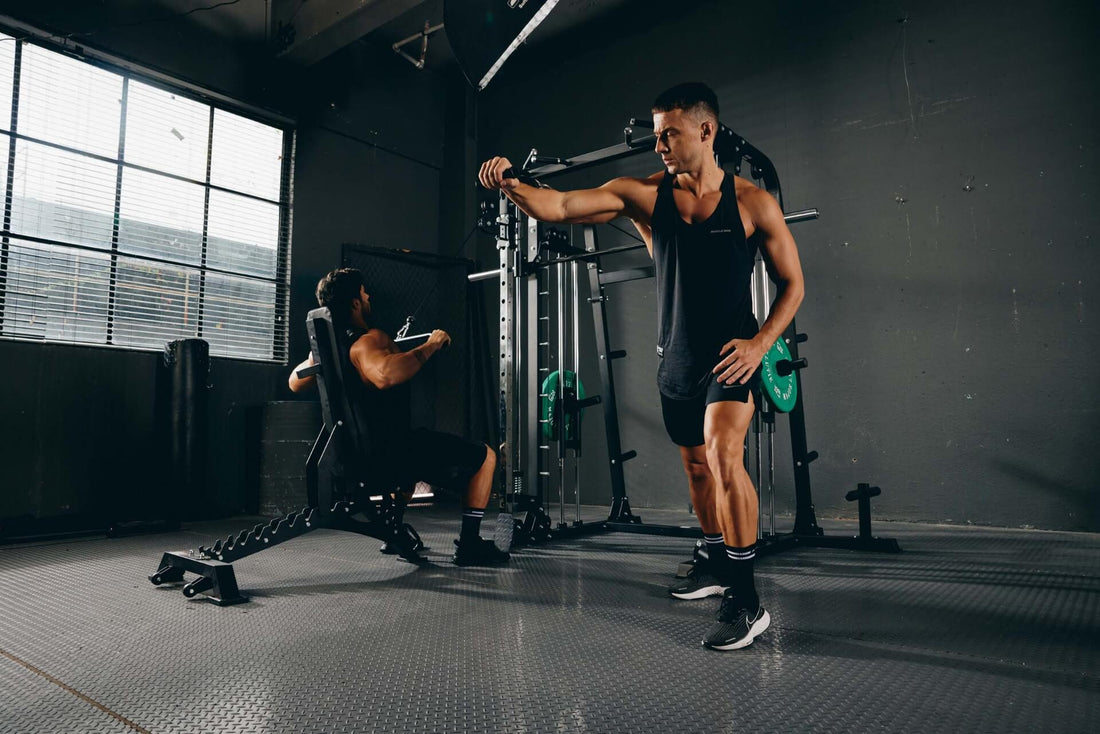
(134, 215)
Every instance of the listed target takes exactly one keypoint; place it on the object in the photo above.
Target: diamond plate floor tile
(968, 630)
(30, 702)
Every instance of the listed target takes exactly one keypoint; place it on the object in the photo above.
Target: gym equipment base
(806, 532)
(781, 542)
(216, 578)
(768, 543)
(213, 564)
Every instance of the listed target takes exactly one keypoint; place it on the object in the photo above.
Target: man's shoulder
(636, 184)
(743, 186)
(640, 194)
(372, 339)
(750, 195)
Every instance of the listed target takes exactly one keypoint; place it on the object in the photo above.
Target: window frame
(20, 36)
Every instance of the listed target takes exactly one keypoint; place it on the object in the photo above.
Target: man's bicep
(779, 247)
(596, 206)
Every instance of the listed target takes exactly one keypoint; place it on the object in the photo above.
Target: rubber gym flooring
(967, 630)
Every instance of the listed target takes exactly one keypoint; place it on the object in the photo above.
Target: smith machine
(538, 273)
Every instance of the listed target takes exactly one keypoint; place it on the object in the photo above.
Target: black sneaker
(392, 547)
(699, 585)
(735, 626)
(478, 552)
(405, 547)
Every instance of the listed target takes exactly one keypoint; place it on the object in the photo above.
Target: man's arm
(614, 199)
(380, 363)
(297, 384)
(781, 256)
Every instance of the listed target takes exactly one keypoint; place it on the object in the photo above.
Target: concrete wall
(952, 151)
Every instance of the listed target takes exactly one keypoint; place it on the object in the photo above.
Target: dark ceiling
(299, 34)
(258, 22)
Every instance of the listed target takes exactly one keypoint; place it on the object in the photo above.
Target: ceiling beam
(322, 27)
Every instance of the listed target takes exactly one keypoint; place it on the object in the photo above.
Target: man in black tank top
(399, 454)
(702, 226)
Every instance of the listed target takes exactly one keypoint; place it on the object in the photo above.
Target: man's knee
(490, 457)
(726, 459)
(725, 429)
(698, 472)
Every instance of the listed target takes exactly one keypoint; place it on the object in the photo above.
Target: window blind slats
(155, 304)
(69, 102)
(160, 217)
(127, 251)
(246, 156)
(62, 196)
(243, 234)
(56, 293)
(5, 143)
(7, 68)
(240, 315)
(166, 132)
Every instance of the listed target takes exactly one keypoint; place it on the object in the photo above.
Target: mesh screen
(434, 288)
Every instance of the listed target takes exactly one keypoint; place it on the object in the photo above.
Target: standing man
(702, 227)
(403, 455)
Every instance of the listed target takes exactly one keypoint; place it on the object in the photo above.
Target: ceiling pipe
(423, 36)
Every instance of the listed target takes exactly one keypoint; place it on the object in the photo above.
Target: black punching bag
(187, 364)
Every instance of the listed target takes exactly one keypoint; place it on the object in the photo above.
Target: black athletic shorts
(440, 459)
(684, 418)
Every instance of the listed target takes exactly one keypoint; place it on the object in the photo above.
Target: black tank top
(704, 288)
(387, 414)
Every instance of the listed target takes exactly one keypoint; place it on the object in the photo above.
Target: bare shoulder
(638, 193)
(634, 185)
(748, 192)
(374, 340)
(759, 204)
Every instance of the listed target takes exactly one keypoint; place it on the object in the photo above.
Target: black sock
(471, 523)
(741, 576)
(716, 554)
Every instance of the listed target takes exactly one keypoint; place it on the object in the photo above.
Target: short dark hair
(338, 290)
(692, 97)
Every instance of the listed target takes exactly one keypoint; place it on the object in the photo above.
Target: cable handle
(412, 342)
(523, 177)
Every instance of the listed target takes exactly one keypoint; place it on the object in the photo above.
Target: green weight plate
(548, 406)
(782, 390)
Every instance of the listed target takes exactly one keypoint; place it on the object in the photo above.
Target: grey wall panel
(954, 160)
(79, 433)
(68, 442)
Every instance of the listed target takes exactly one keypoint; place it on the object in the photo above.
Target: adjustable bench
(339, 483)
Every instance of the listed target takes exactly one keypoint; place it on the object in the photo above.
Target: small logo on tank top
(721, 231)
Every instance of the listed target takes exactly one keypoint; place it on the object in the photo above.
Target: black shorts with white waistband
(684, 418)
